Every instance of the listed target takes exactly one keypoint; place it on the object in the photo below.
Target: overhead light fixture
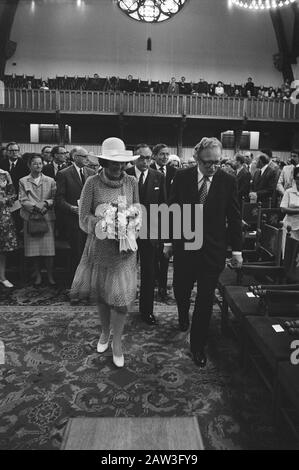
(260, 4)
(151, 11)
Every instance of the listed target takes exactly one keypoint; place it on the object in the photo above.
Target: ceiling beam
(284, 59)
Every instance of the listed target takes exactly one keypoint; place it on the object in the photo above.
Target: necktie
(82, 176)
(12, 166)
(141, 181)
(162, 169)
(203, 191)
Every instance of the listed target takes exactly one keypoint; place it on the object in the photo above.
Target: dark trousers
(76, 238)
(147, 274)
(161, 267)
(188, 268)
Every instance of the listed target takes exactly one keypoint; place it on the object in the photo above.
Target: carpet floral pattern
(53, 372)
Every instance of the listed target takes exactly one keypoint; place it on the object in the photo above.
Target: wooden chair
(267, 254)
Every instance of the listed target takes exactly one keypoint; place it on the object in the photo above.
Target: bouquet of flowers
(119, 222)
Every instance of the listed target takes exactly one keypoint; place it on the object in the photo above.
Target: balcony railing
(148, 104)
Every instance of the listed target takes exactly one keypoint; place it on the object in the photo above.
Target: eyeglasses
(144, 158)
(210, 163)
(13, 150)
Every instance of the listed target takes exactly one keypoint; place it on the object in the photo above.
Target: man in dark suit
(70, 182)
(161, 156)
(58, 156)
(151, 185)
(14, 164)
(264, 181)
(216, 190)
(243, 178)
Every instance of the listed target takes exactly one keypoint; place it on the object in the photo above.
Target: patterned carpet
(53, 372)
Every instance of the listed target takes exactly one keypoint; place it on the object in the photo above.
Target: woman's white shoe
(7, 284)
(118, 361)
(102, 347)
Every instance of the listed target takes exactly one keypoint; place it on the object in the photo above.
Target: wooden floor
(133, 434)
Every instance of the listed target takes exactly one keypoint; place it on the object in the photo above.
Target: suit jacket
(221, 214)
(69, 187)
(17, 173)
(265, 184)
(286, 178)
(243, 181)
(155, 190)
(170, 172)
(49, 170)
(30, 193)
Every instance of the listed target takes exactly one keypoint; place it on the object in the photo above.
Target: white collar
(264, 168)
(77, 168)
(200, 176)
(138, 173)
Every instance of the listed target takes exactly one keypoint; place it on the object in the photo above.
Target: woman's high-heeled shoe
(118, 361)
(6, 283)
(102, 347)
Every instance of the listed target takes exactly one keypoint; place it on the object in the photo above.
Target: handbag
(37, 225)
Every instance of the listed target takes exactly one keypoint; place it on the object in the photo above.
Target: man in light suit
(216, 190)
(161, 156)
(152, 190)
(286, 177)
(70, 182)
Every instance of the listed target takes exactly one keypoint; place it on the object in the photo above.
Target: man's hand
(75, 210)
(168, 251)
(236, 261)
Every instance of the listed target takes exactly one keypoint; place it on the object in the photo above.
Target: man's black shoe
(184, 325)
(199, 358)
(149, 319)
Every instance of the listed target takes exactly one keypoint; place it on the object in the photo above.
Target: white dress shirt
(138, 173)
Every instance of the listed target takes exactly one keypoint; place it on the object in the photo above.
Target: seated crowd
(132, 85)
(49, 184)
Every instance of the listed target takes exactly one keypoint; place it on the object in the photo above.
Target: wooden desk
(132, 434)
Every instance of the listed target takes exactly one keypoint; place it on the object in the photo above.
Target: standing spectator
(8, 236)
(44, 86)
(290, 206)
(70, 182)
(243, 178)
(36, 195)
(46, 154)
(286, 176)
(129, 85)
(249, 86)
(184, 88)
(161, 157)
(58, 155)
(219, 89)
(173, 87)
(17, 169)
(203, 87)
(175, 161)
(264, 181)
(151, 184)
(14, 164)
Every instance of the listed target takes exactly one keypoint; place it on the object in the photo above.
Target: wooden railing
(148, 104)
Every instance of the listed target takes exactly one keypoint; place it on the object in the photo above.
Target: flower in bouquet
(119, 222)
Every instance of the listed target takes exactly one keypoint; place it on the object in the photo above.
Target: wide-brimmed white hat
(114, 149)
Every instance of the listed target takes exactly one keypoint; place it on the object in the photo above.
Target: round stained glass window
(151, 11)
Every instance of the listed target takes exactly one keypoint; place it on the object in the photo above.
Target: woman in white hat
(105, 274)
